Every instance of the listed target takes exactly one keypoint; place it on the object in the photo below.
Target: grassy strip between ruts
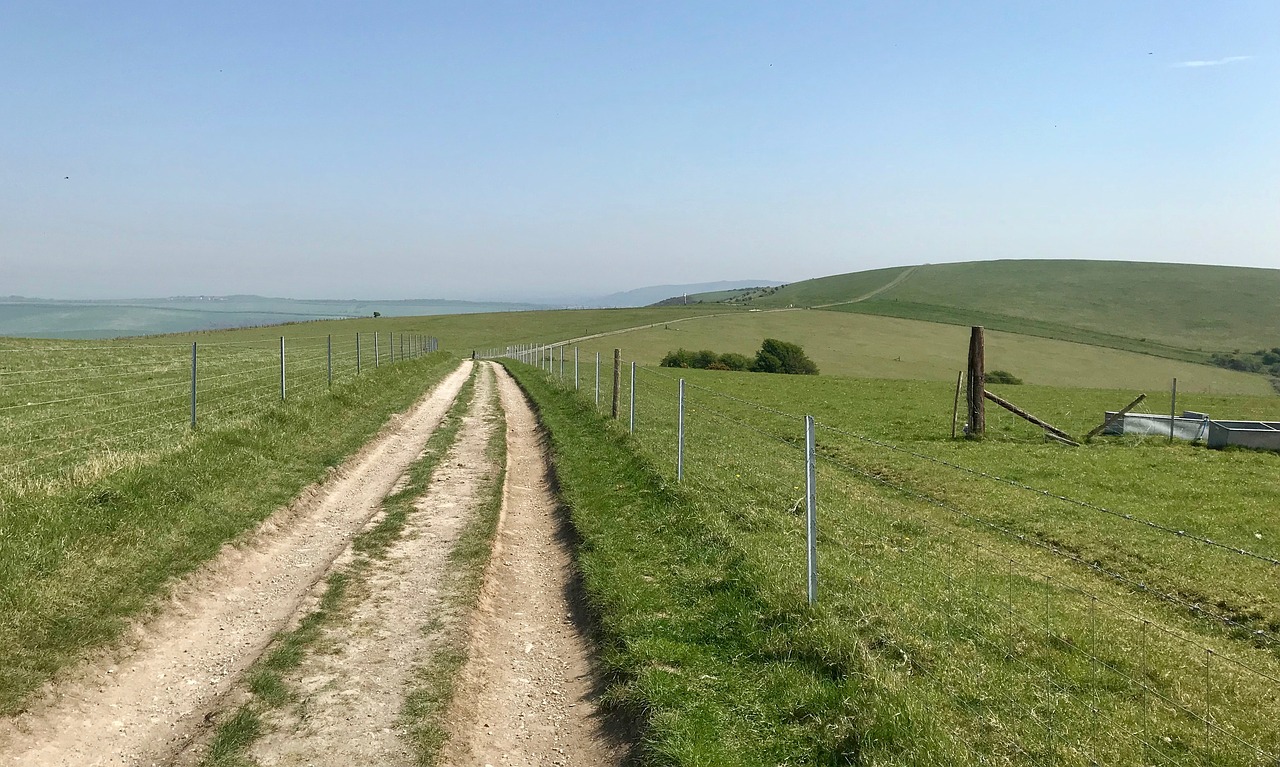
(688, 637)
(266, 680)
(78, 565)
(434, 682)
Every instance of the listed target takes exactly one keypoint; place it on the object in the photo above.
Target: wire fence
(72, 413)
(1028, 650)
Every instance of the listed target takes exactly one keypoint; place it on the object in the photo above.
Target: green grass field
(75, 411)
(1176, 310)
(846, 344)
(961, 619)
(122, 496)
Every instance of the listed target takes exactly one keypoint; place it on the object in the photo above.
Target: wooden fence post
(975, 384)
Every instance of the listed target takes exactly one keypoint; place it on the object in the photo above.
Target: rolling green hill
(1170, 310)
(885, 347)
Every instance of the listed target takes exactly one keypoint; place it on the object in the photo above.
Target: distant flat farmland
(135, 317)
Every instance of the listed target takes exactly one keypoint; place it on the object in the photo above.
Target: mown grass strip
(435, 682)
(76, 566)
(267, 679)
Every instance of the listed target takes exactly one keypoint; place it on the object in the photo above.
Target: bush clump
(1002, 377)
(1262, 361)
(783, 357)
(774, 357)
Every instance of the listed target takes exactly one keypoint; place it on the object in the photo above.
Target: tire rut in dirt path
(351, 687)
(174, 668)
(529, 692)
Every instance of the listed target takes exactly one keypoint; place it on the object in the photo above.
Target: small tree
(783, 357)
(732, 361)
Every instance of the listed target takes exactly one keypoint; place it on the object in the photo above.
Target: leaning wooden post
(975, 384)
(1116, 416)
(1012, 408)
(617, 381)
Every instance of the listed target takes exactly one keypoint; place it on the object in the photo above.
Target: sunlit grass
(78, 560)
(960, 620)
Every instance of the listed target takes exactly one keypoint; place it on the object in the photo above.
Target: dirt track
(526, 696)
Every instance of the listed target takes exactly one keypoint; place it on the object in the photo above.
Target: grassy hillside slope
(884, 347)
(1176, 310)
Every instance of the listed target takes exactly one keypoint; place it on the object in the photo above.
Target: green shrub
(1002, 377)
(783, 357)
(680, 358)
(732, 361)
(704, 359)
(774, 357)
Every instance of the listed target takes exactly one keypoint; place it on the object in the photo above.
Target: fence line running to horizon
(1064, 660)
(70, 413)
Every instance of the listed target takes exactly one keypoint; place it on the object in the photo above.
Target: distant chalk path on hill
(895, 282)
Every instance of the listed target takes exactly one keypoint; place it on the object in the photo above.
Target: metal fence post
(617, 382)
(575, 368)
(680, 436)
(376, 360)
(193, 384)
(329, 358)
(631, 429)
(562, 363)
(282, 367)
(357, 354)
(597, 380)
(811, 507)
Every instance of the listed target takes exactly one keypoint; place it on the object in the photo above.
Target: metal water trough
(1263, 435)
(1189, 426)
(1194, 427)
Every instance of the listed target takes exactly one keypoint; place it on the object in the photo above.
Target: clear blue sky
(535, 149)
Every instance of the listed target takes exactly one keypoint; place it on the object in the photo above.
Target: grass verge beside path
(933, 642)
(76, 566)
(693, 644)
